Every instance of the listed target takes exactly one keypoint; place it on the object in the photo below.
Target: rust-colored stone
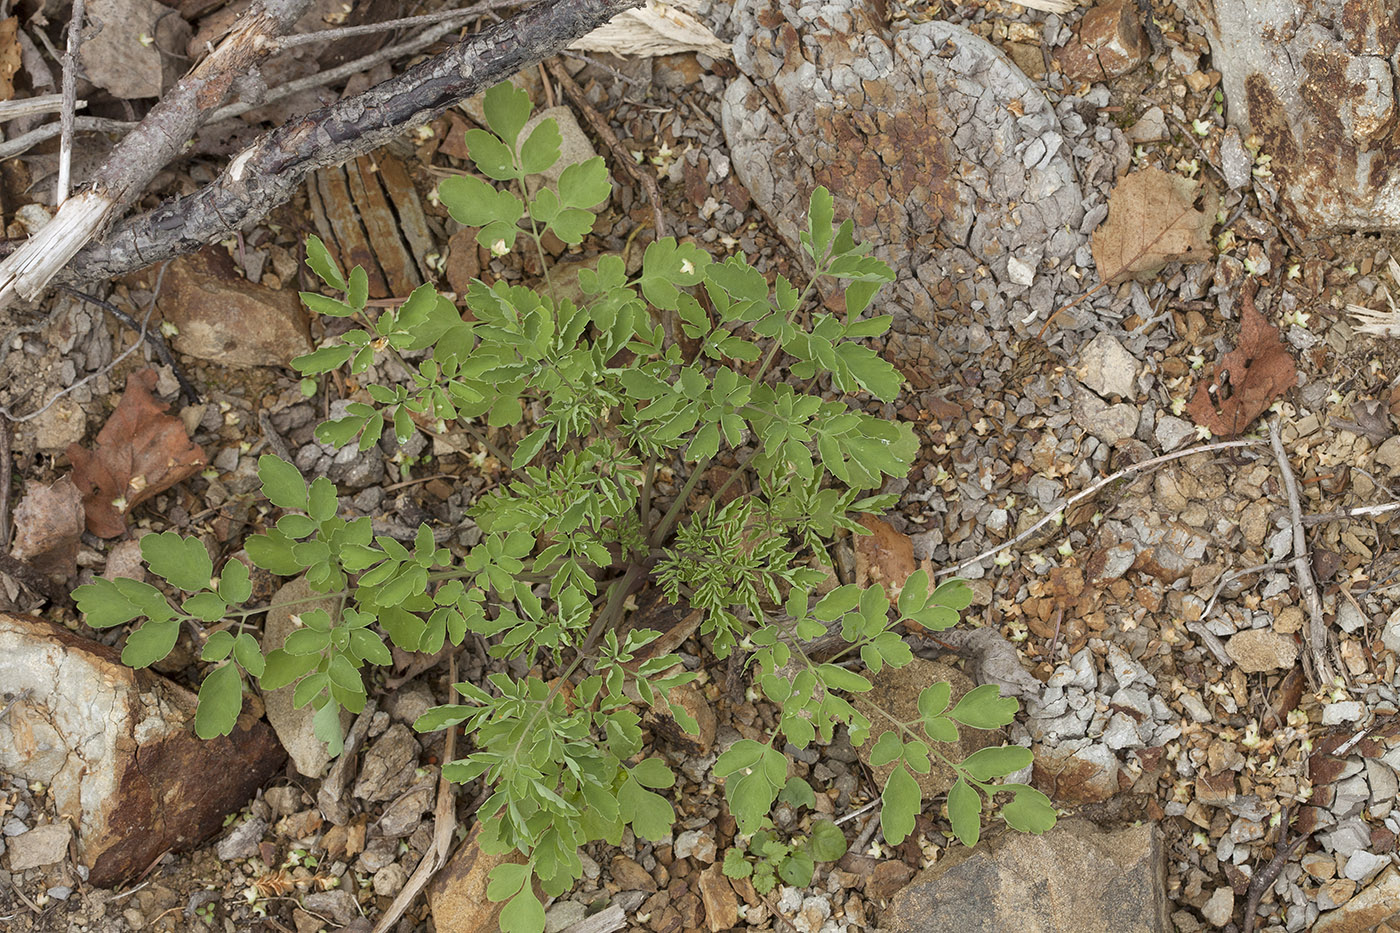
(457, 895)
(118, 748)
(224, 318)
(1109, 43)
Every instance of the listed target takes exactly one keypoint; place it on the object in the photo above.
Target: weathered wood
(147, 149)
(269, 172)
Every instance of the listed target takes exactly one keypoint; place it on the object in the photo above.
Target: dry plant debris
(1152, 220)
(48, 526)
(1247, 380)
(141, 451)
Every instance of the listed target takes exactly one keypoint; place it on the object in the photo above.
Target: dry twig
(5, 468)
(270, 171)
(1091, 490)
(1284, 850)
(70, 98)
(1315, 660)
(146, 150)
(444, 825)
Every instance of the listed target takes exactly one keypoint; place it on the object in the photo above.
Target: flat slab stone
(1074, 877)
(118, 748)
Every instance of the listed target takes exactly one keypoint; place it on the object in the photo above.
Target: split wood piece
(399, 268)
(350, 239)
(146, 150)
(413, 223)
(269, 172)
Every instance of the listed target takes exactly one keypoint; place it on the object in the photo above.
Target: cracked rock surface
(951, 163)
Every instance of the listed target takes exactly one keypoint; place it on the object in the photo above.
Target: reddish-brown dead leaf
(1151, 221)
(140, 451)
(884, 556)
(48, 527)
(1247, 380)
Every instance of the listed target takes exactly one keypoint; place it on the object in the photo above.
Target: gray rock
(1150, 127)
(1390, 635)
(42, 845)
(1327, 126)
(1109, 423)
(340, 906)
(1171, 432)
(243, 841)
(963, 127)
(1235, 162)
(1042, 884)
(1363, 866)
(1220, 907)
(389, 764)
(91, 727)
(294, 727)
(563, 914)
(1107, 368)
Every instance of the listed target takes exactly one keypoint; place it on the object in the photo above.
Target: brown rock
(1109, 43)
(888, 878)
(1072, 775)
(1379, 902)
(1074, 877)
(463, 260)
(721, 904)
(227, 319)
(883, 556)
(896, 690)
(1257, 650)
(689, 698)
(457, 896)
(118, 748)
(629, 876)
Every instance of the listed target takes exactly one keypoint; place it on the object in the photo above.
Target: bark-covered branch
(269, 172)
(147, 149)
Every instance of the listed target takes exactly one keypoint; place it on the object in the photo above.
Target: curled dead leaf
(1247, 380)
(141, 451)
(1152, 220)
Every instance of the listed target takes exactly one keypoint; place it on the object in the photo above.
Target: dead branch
(1320, 670)
(146, 149)
(1080, 496)
(269, 172)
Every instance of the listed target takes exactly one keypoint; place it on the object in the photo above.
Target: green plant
(590, 406)
(766, 857)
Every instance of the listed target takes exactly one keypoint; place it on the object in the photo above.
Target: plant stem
(664, 526)
(647, 478)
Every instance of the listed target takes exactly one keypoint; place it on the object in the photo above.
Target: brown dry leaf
(141, 451)
(9, 56)
(1247, 380)
(1151, 221)
(884, 556)
(48, 527)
